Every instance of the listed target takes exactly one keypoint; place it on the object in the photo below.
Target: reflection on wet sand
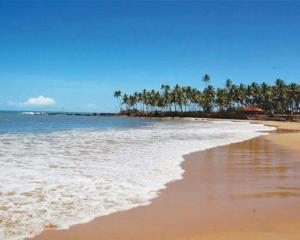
(263, 172)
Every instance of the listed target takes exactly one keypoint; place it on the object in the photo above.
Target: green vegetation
(280, 98)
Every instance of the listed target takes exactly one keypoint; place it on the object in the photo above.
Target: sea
(61, 170)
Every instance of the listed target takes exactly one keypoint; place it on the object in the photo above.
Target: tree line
(281, 98)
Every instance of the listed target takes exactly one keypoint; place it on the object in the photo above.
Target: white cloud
(39, 101)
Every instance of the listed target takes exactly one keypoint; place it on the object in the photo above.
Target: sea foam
(59, 179)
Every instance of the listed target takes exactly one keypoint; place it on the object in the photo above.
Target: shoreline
(103, 227)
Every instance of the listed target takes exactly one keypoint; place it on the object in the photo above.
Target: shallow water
(56, 171)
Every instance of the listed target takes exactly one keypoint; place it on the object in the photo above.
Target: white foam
(33, 113)
(64, 178)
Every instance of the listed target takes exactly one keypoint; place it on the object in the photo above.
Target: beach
(149, 120)
(247, 190)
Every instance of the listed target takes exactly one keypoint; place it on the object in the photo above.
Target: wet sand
(248, 190)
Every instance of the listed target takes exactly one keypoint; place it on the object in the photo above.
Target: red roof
(251, 109)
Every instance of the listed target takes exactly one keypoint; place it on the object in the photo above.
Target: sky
(71, 56)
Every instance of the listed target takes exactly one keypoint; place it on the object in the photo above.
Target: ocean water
(57, 171)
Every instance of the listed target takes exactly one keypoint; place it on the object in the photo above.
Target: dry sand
(248, 191)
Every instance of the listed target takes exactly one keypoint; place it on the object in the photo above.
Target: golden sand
(248, 191)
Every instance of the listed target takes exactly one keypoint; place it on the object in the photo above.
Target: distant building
(251, 110)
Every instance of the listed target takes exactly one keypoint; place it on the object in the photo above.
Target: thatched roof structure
(251, 110)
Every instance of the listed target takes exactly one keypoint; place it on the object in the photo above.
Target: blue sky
(75, 54)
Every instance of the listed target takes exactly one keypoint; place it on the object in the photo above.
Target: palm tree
(221, 96)
(140, 100)
(206, 79)
(292, 91)
(280, 96)
(277, 98)
(249, 95)
(166, 96)
(188, 97)
(132, 100)
(241, 95)
(194, 97)
(208, 98)
(125, 101)
(266, 95)
(229, 93)
(118, 95)
(145, 100)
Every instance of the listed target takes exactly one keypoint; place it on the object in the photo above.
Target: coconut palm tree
(208, 98)
(229, 100)
(125, 100)
(266, 95)
(280, 96)
(145, 100)
(292, 91)
(221, 97)
(277, 98)
(206, 79)
(118, 95)
(166, 96)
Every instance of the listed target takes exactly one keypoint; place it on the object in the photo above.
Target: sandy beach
(149, 120)
(248, 190)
